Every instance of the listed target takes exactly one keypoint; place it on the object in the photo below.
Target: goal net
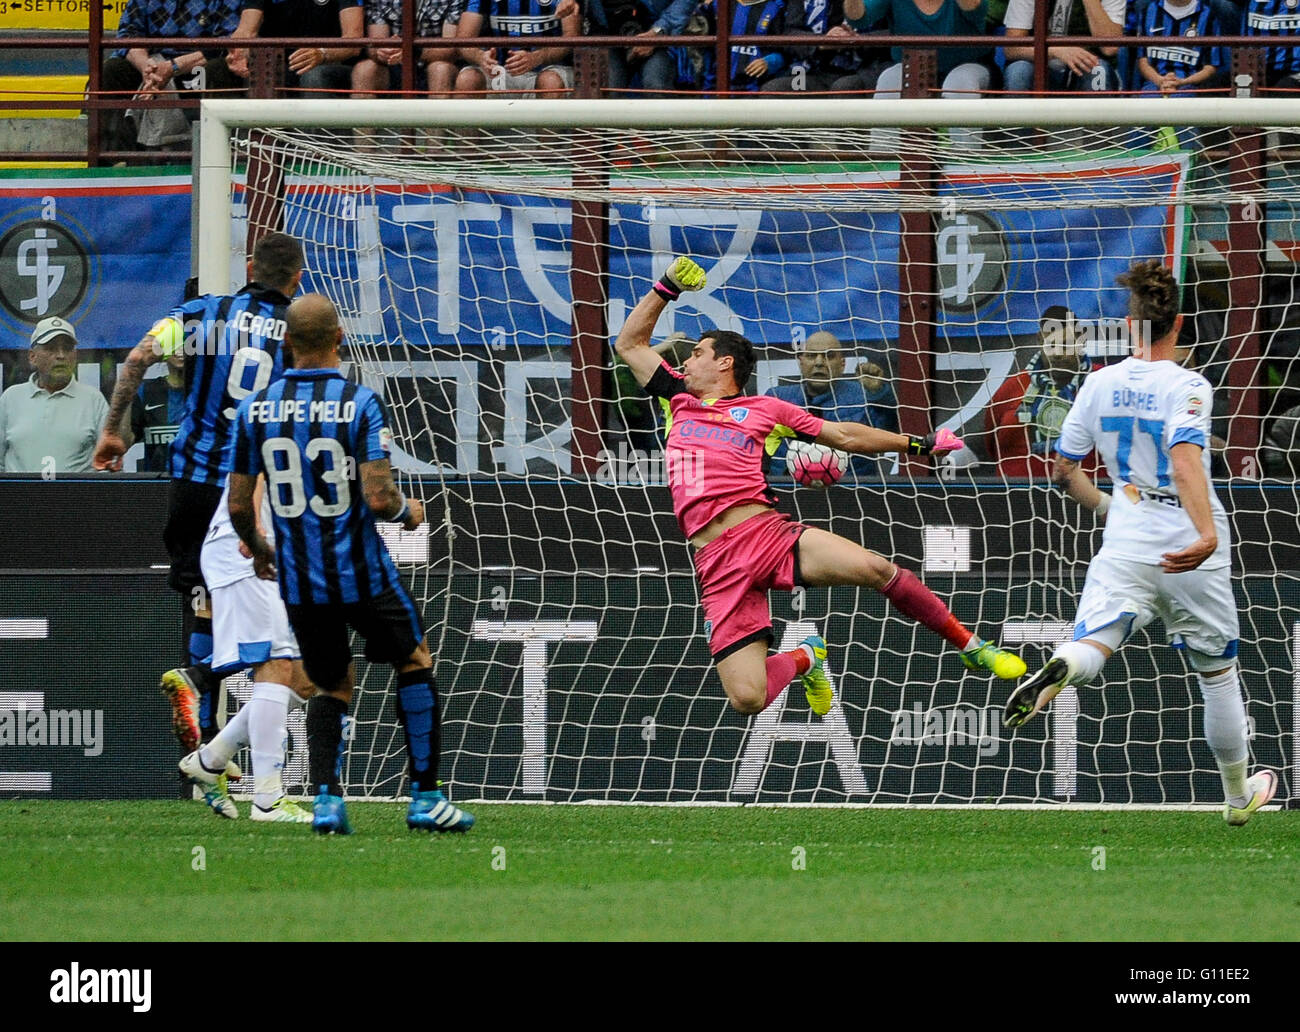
(485, 254)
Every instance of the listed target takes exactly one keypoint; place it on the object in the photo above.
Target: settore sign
(62, 15)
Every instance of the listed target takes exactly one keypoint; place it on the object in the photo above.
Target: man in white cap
(49, 423)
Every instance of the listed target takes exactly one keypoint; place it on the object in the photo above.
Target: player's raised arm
(154, 345)
(1194, 493)
(867, 440)
(633, 344)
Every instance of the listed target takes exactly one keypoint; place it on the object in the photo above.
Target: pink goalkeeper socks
(783, 668)
(912, 598)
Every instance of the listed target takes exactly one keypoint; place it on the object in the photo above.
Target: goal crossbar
(220, 117)
(731, 113)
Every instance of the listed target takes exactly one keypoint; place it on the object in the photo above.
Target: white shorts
(1198, 608)
(250, 626)
(528, 81)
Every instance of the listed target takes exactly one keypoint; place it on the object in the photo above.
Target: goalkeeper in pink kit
(716, 439)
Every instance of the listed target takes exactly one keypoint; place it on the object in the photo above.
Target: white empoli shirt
(1133, 412)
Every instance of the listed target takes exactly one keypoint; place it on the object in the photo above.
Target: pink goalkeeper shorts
(736, 570)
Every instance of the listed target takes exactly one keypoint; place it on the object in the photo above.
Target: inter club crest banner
(450, 267)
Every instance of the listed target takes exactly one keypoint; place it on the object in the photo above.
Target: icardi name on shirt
(253, 325)
(300, 410)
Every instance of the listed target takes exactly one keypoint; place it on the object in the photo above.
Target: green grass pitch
(125, 871)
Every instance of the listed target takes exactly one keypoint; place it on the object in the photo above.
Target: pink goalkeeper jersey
(716, 447)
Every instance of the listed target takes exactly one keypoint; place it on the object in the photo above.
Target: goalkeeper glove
(681, 276)
(934, 443)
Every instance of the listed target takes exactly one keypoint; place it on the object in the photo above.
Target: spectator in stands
(639, 412)
(751, 67)
(1024, 418)
(149, 72)
(1281, 447)
(1276, 18)
(647, 19)
(822, 69)
(49, 424)
(878, 393)
(381, 68)
(1082, 69)
(310, 69)
(156, 415)
(1188, 61)
(825, 391)
(548, 70)
(964, 72)
(1191, 59)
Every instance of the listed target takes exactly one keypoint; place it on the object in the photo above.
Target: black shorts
(389, 624)
(190, 507)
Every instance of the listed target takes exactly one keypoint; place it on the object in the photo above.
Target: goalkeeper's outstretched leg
(753, 680)
(827, 559)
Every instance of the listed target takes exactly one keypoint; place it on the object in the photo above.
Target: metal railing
(266, 63)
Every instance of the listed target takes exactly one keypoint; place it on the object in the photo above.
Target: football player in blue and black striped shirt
(318, 438)
(232, 347)
(1276, 18)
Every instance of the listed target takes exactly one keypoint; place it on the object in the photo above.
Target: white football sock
(1225, 731)
(1085, 661)
(268, 737)
(230, 739)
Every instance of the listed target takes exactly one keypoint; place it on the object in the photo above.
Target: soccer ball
(815, 465)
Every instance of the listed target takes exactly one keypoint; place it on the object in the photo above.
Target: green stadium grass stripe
(126, 871)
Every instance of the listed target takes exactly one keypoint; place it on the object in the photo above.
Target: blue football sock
(417, 706)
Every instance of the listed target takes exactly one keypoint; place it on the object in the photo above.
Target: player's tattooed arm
(1194, 492)
(243, 517)
(1067, 475)
(384, 498)
(111, 445)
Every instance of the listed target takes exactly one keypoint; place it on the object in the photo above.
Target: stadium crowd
(363, 66)
(48, 419)
(1019, 420)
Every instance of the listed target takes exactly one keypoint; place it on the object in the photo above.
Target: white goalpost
(484, 254)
